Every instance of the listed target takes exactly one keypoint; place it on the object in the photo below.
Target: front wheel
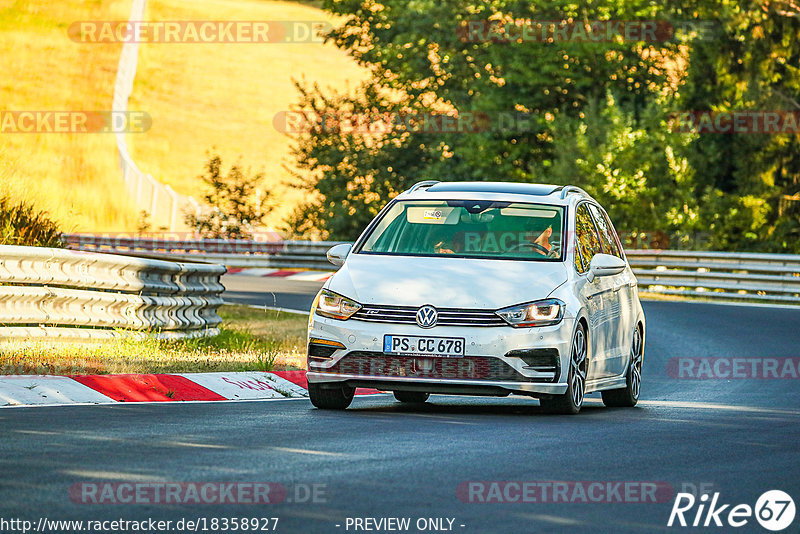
(414, 397)
(330, 398)
(629, 395)
(570, 402)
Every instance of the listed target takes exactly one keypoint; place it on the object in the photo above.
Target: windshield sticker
(433, 215)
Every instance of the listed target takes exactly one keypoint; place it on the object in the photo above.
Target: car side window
(614, 235)
(578, 258)
(607, 239)
(588, 241)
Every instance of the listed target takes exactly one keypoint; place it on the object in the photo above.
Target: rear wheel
(330, 398)
(570, 402)
(416, 397)
(629, 395)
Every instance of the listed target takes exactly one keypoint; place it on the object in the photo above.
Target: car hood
(445, 282)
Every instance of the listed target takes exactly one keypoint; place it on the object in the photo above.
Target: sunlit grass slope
(75, 177)
(225, 95)
(199, 96)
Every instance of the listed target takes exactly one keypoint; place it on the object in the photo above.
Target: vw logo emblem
(427, 316)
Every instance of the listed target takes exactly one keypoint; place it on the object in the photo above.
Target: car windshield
(469, 229)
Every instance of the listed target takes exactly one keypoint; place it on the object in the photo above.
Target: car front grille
(377, 364)
(447, 316)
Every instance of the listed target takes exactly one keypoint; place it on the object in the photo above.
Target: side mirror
(605, 265)
(338, 253)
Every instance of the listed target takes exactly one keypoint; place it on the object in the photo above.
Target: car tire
(330, 398)
(628, 396)
(413, 397)
(570, 402)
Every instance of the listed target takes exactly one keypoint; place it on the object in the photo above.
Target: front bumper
(485, 369)
(442, 386)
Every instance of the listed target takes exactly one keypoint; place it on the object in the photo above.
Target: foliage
(599, 115)
(421, 64)
(751, 64)
(352, 175)
(22, 224)
(237, 206)
(637, 169)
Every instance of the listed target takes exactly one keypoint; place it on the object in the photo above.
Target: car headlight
(540, 313)
(335, 306)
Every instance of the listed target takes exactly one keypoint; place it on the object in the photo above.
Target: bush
(237, 208)
(22, 224)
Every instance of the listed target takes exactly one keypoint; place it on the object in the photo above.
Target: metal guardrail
(235, 253)
(771, 278)
(48, 292)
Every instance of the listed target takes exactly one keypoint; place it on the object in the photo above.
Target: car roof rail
(566, 190)
(419, 185)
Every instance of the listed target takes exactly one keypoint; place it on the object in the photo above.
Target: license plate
(442, 347)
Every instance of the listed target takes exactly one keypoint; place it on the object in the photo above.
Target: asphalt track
(268, 291)
(738, 437)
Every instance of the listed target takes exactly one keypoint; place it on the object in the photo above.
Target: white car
(480, 288)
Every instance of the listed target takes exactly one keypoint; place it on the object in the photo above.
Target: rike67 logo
(774, 510)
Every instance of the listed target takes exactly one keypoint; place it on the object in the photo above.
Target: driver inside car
(542, 244)
(440, 247)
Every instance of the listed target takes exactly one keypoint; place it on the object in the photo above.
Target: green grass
(249, 340)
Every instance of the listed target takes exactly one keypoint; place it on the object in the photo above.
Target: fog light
(322, 349)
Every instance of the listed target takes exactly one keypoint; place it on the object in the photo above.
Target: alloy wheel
(636, 363)
(578, 365)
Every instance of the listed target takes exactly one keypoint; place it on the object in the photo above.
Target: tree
(637, 169)
(599, 114)
(421, 63)
(751, 64)
(237, 206)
